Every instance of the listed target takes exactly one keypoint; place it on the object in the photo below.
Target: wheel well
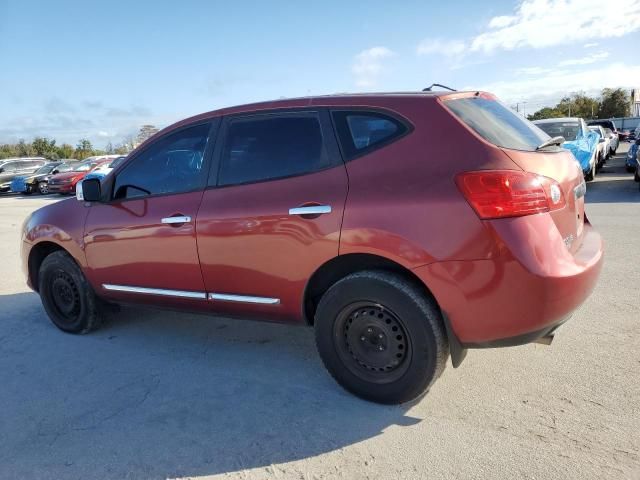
(343, 265)
(37, 254)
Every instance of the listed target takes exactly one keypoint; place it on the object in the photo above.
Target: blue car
(633, 160)
(579, 140)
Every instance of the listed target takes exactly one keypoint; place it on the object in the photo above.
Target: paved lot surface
(166, 395)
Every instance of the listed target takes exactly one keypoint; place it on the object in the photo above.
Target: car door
(272, 213)
(140, 241)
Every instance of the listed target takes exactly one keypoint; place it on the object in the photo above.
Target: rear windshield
(497, 123)
(568, 130)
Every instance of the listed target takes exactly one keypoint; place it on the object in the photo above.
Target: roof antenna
(428, 89)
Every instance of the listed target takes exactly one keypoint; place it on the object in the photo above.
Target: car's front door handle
(310, 210)
(176, 219)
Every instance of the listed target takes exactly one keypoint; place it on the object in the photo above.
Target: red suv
(404, 227)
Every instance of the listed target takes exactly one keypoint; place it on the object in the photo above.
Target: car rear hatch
(520, 140)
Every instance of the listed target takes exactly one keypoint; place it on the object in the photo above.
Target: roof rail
(428, 89)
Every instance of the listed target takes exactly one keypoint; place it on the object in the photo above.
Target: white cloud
(545, 23)
(438, 46)
(593, 58)
(532, 71)
(557, 83)
(591, 45)
(103, 134)
(368, 66)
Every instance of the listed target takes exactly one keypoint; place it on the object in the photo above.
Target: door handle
(310, 210)
(178, 219)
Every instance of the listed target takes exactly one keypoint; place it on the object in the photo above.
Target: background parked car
(603, 144)
(65, 183)
(38, 181)
(13, 167)
(632, 160)
(613, 141)
(579, 140)
(99, 173)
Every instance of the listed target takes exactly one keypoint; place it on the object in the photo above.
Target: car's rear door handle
(177, 219)
(310, 210)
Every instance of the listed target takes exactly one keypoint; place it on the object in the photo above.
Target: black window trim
(359, 110)
(329, 142)
(214, 130)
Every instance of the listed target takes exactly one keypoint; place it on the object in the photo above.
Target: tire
(592, 173)
(636, 176)
(43, 188)
(630, 169)
(381, 337)
(66, 295)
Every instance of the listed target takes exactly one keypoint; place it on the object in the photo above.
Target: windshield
(45, 169)
(497, 123)
(596, 129)
(568, 130)
(84, 167)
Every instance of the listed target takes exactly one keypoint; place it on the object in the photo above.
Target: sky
(99, 70)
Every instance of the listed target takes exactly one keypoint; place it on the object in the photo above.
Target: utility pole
(524, 112)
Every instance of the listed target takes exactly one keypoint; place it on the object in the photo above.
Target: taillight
(509, 193)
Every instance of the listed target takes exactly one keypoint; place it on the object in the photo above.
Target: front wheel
(66, 295)
(636, 176)
(591, 174)
(43, 188)
(381, 337)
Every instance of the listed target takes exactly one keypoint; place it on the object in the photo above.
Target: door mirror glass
(89, 190)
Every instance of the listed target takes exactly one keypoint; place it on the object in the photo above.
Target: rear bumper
(524, 293)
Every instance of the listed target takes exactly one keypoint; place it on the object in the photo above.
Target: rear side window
(361, 132)
(497, 123)
(267, 147)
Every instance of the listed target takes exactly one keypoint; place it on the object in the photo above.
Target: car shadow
(160, 394)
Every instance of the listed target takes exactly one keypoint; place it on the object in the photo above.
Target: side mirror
(55, 171)
(601, 140)
(89, 190)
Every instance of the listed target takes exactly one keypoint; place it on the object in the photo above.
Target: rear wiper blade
(551, 141)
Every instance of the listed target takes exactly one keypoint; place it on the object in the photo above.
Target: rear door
(272, 213)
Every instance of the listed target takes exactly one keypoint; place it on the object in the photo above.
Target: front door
(141, 244)
(272, 214)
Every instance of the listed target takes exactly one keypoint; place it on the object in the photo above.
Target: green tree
(24, 149)
(615, 103)
(43, 147)
(145, 132)
(65, 151)
(579, 105)
(546, 112)
(84, 149)
(8, 150)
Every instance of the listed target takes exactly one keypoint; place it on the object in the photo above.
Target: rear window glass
(568, 130)
(497, 123)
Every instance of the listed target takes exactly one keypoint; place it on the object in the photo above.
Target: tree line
(612, 102)
(49, 149)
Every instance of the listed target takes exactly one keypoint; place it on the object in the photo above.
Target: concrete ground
(165, 395)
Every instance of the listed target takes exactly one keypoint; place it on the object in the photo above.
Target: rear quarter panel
(403, 202)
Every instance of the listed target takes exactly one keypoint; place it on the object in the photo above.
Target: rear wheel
(381, 337)
(636, 176)
(66, 295)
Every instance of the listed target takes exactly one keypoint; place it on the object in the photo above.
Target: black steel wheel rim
(372, 342)
(65, 296)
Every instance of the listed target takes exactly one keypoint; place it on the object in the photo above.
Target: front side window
(172, 164)
(267, 147)
(362, 131)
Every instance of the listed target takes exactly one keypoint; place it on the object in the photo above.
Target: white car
(603, 144)
(614, 140)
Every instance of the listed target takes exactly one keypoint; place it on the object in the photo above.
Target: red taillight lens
(509, 193)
